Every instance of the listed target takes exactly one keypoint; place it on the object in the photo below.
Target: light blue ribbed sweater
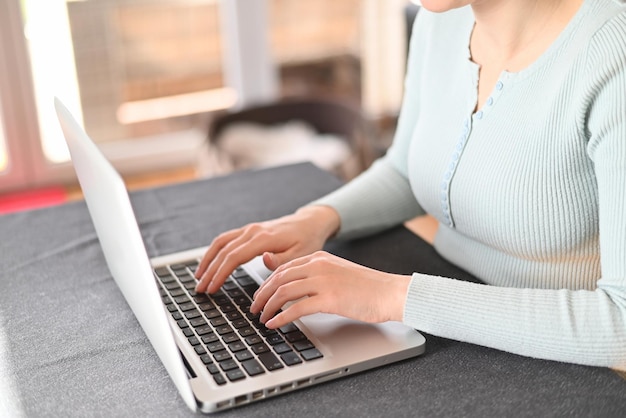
(529, 191)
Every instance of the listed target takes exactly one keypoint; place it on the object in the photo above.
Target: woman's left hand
(322, 282)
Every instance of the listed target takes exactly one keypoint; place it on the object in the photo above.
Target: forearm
(376, 200)
(584, 327)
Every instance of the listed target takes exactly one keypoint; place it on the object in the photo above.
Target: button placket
(449, 174)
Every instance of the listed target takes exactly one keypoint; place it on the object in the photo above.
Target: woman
(512, 135)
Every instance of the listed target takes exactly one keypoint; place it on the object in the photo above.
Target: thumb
(273, 261)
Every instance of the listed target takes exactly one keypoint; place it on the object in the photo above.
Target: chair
(325, 116)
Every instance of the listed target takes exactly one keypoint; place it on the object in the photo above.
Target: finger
(250, 243)
(297, 310)
(223, 245)
(280, 272)
(288, 288)
(218, 243)
(274, 260)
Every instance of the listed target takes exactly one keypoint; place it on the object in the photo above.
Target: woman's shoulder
(607, 42)
(607, 17)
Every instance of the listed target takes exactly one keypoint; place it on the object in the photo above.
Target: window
(143, 76)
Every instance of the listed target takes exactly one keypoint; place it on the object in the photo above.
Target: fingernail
(270, 323)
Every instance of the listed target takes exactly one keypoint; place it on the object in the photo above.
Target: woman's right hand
(279, 240)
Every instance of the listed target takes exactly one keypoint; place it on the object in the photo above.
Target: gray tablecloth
(70, 346)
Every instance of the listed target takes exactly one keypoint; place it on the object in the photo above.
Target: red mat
(32, 199)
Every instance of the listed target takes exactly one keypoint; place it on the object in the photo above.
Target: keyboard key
(212, 368)
(193, 341)
(291, 358)
(282, 348)
(234, 375)
(240, 323)
(242, 300)
(219, 321)
(215, 346)
(192, 314)
(199, 323)
(221, 300)
(227, 307)
(264, 331)
(181, 299)
(233, 316)
(239, 272)
(247, 332)
(290, 327)
(230, 338)
(253, 339)
(260, 348)
(245, 280)
(270, 361)
(303, 345)
(162, 272)
(243, 355)
(251, 290)
(188, 332)
(229, 285)
(223, 329)
(178, 266)
(219, 379)
(199, 350)
(229, 364)
(221, 356)
(210, 338)
(236, 346)
(206, 359)
(172, 285)
(187, 278)
(292, 337)
(275, 339)
(213, 313)
(234, 293)
(252, 367)
(311, 354)
(206, 306)
(252, 317)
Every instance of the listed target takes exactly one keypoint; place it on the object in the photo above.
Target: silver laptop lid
(114, 220)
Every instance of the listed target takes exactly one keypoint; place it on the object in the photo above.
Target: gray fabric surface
(70, 346)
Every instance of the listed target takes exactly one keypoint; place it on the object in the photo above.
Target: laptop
(216, 352)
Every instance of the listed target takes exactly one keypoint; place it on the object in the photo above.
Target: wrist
(401, 289)
(325, 218)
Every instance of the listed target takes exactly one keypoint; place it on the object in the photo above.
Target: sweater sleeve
(578, 326)
(381, 197)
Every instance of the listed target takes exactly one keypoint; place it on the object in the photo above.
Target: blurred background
(173, 90)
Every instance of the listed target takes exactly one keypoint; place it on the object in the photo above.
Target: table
(70, 346)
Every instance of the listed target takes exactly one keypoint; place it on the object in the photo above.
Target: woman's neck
(513, 33)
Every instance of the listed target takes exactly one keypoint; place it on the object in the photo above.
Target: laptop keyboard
(231, 341)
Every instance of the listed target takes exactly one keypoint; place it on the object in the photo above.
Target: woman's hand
(322, 282)
(279, 240)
